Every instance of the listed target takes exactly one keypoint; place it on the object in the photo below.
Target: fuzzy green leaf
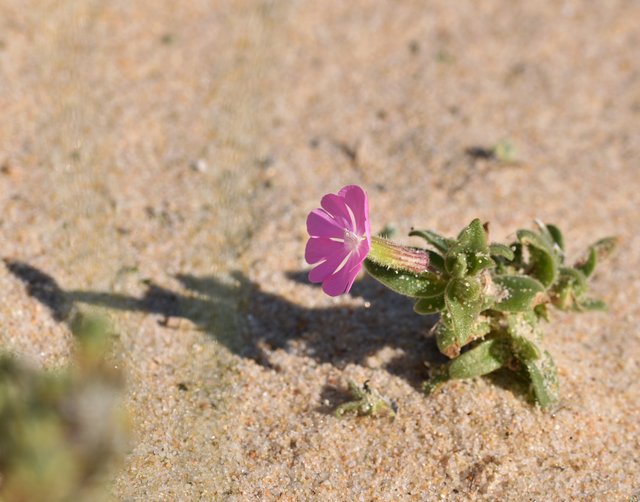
(591, 304)
(456, 264)
(543, 261)
(556, 235)
(502, 250)
(406, 283)
(473, 238)
(598, 251)
(544, 380)
(516, 293)
(525, 335)
(439, 242)
(571, 284)
(429, 305)
(470, 249)
(463, 304)
(524, 348)
(588, 265)
(482, 359)
(605, 247)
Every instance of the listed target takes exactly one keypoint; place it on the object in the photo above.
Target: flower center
(351, 240)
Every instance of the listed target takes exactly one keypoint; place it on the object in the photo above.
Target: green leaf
(605, 247)
(473, 238)
(552, 235)
(598, 251)
(472, 245)
(463, 304)
(501, 250)
(484, 358)
(456, 264)
(406, 283)
(556, 235)
(544, 380)
(441, 243)
(465, 290)
(525, 335)
(429, 305)
(588, 265)
(525, 349)
(446, 338)
(543, 261)
(591, 304)
(571, 284)
(516, 293)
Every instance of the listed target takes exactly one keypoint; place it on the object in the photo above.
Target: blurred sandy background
(158, 160)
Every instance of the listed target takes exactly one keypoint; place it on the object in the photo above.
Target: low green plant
(366, 401)
(492, 297)
(62, 430)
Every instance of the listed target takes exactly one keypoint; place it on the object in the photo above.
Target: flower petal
(335, 205)
(356, 198)
(363, 250)
(321, 248)
(341, 281)
(326, 268)
(320, 224)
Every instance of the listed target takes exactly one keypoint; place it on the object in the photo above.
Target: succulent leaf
(429, 305)
(556, 235)
(502, 250)
(517, 293)
(482, 359)
(472, 244)
(588, 265)
(543, 260)
(456, 264)
(524, 349)
(571, 284)
(439, 242)
(525, 335)
(463, 304)
(426, 284)
(591, 304)
(544, 380)
(598, 251)
(605, 247)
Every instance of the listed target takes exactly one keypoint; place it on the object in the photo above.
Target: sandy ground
(158, 160)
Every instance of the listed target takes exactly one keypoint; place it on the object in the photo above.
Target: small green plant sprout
(505, 151)
(62, 430)
(490, 297)
(367, 401)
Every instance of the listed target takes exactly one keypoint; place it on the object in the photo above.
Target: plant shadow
(252, 322)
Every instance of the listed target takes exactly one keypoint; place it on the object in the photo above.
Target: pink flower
(340, 239)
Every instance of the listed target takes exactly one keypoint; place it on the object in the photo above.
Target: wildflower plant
(491, 298)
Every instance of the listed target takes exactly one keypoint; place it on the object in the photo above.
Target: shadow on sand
(252, 322)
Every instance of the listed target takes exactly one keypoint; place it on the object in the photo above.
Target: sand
(158, 160)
